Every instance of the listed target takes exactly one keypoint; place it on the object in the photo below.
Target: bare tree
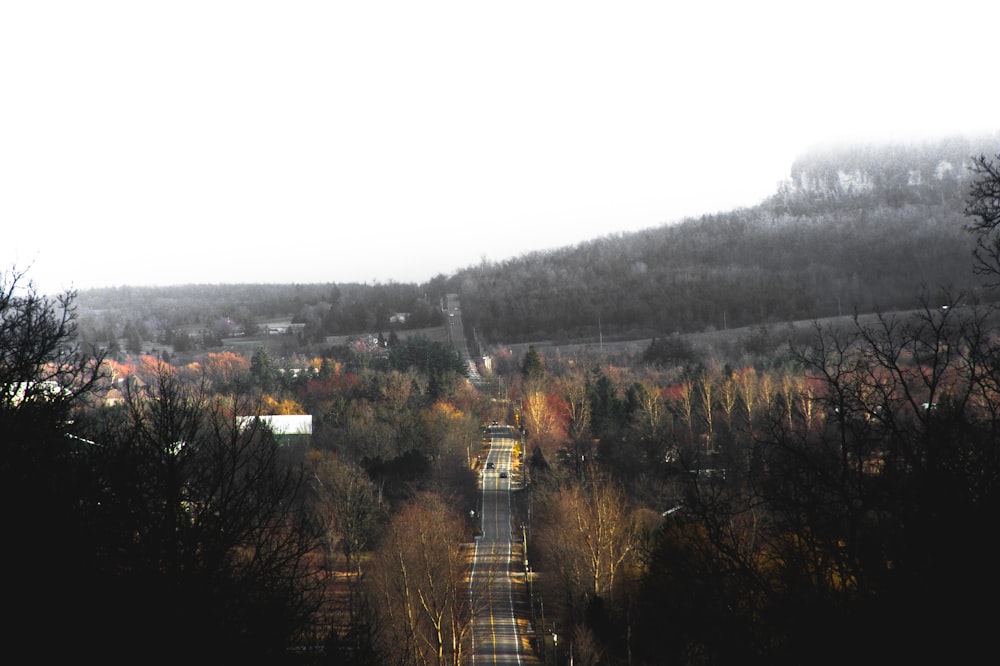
(417, 582)
(206, 544)
(647, 419)
(588, 538)
(574, 392)
(43, 370)
(683, 402)
(728, 391)
(46, 484)
(704, 389)
(983, 205)
(747, 390)
(542, 417)
(347, 501)
(789, 394)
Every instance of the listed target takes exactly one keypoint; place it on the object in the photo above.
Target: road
(456, 335)
(496, 638)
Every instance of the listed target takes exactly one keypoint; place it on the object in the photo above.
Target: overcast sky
(223, 142)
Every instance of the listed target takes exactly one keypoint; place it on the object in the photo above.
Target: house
(283, 329)
(113, 397)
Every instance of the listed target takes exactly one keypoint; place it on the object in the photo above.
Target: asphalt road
(495, 635)
(456, 335)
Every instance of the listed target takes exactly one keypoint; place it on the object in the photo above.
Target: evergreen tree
(531, 367)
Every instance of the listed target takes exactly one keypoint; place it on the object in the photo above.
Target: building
(287, 428)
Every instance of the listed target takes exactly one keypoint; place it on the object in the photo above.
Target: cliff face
(902, 173)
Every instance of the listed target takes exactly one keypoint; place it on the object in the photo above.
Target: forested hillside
(863, 228)
(867, 228)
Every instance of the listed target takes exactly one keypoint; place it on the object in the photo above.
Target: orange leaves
(226, 366)
(446, 411)
(446, 429)
(546, 416)
(149, 367)
(272, 405)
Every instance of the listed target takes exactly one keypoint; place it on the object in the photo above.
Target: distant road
(456, 334)
(496, 637)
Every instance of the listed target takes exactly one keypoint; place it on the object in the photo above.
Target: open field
(245, 343)
(727, 343)
(435, 334)
(705, 343)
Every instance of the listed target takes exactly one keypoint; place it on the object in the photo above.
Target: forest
(855, 229)
(816, 499)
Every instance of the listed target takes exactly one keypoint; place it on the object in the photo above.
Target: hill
(862, 228)
(858, 228)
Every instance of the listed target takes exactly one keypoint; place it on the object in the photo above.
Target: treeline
(798, 507)
(824, 502)
(727, 271)
(860, 228)
(807, 505)
(199, 317)
(152, 516)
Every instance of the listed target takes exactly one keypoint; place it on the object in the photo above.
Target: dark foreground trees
(199, 524)
(418, 587)
(861, 530)
(984, 210)
(42, 377)
(160, 530)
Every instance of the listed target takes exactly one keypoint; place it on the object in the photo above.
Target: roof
(283, 424)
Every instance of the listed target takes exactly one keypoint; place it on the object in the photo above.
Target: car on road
(503, 475)
(490, 465)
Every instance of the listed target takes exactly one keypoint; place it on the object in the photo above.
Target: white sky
(209, 141)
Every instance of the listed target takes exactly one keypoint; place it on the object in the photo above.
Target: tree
(587, 538)
(531, 367)
(263, 370)
(607, 411)
(878, 507)
(983, 205)
(417, 582)
(396, 390)
(574, 396)
(703, 387)
(647, 414)
(648, 422)
(446, 431)
(272, 405)
(133, 338)
(728, 395)
(681, 397)
(45, 481)
(199, 541)
(545, 417)
(43, 371)
(226, 370)
(348, 502)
